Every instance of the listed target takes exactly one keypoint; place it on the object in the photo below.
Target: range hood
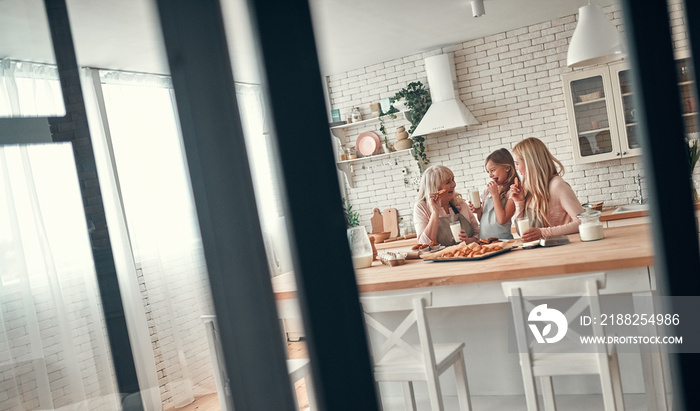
(447, 111)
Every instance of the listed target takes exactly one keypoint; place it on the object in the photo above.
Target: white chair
(536, 362)
(399, 360)
(298, 369)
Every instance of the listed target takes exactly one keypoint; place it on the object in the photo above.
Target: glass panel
(591, 113)
(29, 85)
(689, 106)
(628, 108)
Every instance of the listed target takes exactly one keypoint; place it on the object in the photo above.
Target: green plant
(382, 127)
(352, 218)
(417, 99)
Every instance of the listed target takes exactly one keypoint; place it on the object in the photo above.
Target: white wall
(512, 83)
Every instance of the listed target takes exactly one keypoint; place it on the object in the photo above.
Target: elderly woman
(438, 205)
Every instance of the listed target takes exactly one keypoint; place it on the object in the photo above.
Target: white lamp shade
(595, 39)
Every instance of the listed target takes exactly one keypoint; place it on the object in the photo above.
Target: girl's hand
(471, 207)
(492, 187)
(532, 234)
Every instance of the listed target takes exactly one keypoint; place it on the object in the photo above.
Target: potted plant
(352, 218)
(417, 99)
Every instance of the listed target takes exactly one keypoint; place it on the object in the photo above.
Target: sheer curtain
(53, 345)
(152, 221)
(29, 89)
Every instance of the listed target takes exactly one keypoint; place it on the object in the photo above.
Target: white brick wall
(512, 83)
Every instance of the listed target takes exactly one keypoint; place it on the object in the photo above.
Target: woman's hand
(463, 237)
(532, 234)
(435, 203)
(492, 188)
(516, 192)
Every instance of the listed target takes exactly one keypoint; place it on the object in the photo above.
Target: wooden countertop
(622, 247)
(608, 215)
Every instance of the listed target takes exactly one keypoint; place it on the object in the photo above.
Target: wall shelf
(339, 131)
(348, 166)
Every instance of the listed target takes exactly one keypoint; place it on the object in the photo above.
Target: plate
(367, 143)
(481, 257)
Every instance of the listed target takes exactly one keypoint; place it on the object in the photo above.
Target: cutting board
(377, 222)
(391, 222)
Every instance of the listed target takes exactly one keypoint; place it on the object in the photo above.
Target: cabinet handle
(617, 154)
(624, 153)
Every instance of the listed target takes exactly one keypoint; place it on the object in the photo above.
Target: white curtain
(29, 89)
(153, 223)
(53, 345)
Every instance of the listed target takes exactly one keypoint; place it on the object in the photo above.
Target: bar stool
(399, 360)
(536, 363)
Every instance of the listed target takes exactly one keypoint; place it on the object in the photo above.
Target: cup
(475, 198)
(523, 224)
(595, 125)
(456, 228)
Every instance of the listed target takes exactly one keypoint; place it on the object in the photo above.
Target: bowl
(590, 96)
(380, 237)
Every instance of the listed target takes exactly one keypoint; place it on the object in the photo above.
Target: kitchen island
(470, 305)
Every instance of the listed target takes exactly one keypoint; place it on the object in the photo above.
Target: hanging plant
(417, 99)
(382, 128)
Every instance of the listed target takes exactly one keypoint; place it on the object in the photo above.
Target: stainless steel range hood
(447, 111)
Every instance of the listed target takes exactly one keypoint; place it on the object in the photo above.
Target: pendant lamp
(595, 39)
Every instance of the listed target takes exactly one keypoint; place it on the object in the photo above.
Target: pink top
(421, 216)
(563, 207)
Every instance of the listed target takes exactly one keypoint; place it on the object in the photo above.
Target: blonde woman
(543, 196)
(437, 205)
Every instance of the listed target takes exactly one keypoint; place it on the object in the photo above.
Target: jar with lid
(356, 115)
(350, 152)
(591, 228)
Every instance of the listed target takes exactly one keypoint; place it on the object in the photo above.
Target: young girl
(497, 209)
(543, 195)
(437, 205)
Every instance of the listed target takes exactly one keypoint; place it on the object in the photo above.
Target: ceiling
(124, 34)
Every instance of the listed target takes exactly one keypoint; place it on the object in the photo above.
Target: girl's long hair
(431, 181)
(540, 167)
(503, 158)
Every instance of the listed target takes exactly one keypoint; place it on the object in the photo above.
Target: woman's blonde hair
(503, 158)
(433, 178)
(540, 167)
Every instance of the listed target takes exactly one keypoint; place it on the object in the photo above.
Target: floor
(210, 402)
(633, 402)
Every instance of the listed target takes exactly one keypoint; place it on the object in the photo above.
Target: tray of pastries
(478, 250)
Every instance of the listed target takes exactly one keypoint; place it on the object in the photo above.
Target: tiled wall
(512, 83)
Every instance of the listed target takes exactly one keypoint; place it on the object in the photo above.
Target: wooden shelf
(339, 131)
(348, 166)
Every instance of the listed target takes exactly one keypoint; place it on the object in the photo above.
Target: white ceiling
(124, 34)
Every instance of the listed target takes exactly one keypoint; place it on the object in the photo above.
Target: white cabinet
(602, 117)
(601, 113)
(686, 85)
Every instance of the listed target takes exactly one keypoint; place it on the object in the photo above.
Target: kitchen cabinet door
(592, 115)
(689, 101)
(623, 97)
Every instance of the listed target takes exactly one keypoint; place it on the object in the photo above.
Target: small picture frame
(335, 115)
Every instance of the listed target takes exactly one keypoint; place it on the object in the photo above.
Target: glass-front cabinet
(601, 114)
(603, 120)
(689, 107)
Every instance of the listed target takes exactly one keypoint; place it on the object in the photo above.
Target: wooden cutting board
(391, 222)
(377, 222)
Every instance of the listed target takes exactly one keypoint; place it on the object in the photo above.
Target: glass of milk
(523, 224)
(475, 198)
(456, 228)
